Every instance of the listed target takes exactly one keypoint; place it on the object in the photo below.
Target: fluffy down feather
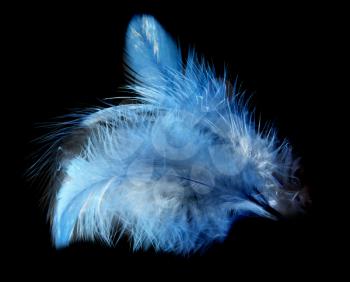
(175, 170)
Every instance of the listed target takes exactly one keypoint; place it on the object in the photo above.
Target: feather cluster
(174, 170)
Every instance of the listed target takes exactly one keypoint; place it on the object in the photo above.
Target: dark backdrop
(71, 56)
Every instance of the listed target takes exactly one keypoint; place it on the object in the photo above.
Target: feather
(176, 170)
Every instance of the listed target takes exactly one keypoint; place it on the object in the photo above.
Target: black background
(70, 57)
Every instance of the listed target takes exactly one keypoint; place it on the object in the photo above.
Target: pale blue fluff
(175, 170)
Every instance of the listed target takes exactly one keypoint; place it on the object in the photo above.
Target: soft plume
(174, 170)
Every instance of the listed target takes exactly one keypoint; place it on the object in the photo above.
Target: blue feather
(176, 170)
(150, 52)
